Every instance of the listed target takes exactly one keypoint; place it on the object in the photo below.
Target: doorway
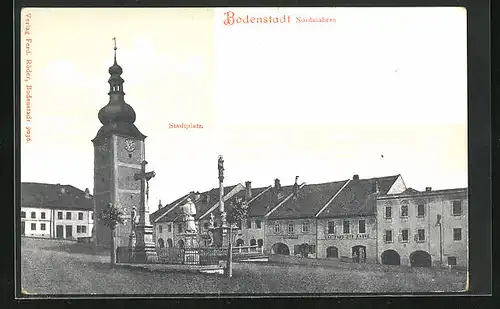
(280, 248)
(391, 257)
(359, 254)
(420, 259)
(59, 231)
(69, 231)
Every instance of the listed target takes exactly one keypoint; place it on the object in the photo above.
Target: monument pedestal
(221, 236)
(145, 248)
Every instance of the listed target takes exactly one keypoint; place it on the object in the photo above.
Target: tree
(237, 213)
(111, 217)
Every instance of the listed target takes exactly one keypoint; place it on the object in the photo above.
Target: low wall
(337, 263)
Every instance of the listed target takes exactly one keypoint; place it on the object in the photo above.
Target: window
(388, 212)
(420, 210)
(179, 228)
(260, 243)
(457, 208)
(290, 228)
(59, 215)
(404, 211)
(160, 229)
(23, 214)
(68, 215)
(347, 228)
(78, 229)
(33, 226)
(205, 225)
(331, 227)
(277, 228)
(305, 227)
(80, 216)
(169, 228)
(457, 234)
(361, 227)
(42, 226)
(421, 235)
(452, 261)
(404, 235)
(258, 224)
(92, 215)
(249, 224)
(33, 215)
(42, 215)
(84, 229)
(388, 236)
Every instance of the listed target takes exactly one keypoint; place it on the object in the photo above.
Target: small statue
(189, 210)
(211, 221)
(133, 218)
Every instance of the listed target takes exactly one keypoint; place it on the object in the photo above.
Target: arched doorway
(169, 243)
(280, 248)
(161, 243)
(359, 254)
(253, 242)
(180, 243)
(332, 252)
(239, 242)
(420, 259)
(302, 249)
(390, 257)
(260, 242)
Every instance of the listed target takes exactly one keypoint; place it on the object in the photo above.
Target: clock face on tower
(129, 145)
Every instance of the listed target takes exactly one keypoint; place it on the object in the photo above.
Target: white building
(56, 211)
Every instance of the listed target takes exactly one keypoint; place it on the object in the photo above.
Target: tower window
(130, 155)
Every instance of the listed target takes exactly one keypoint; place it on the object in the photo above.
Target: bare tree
(111, 217)
(237, 214)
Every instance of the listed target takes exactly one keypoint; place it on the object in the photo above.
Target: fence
(181, 256)
(248, 250)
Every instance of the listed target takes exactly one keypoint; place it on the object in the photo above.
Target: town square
(236, 195)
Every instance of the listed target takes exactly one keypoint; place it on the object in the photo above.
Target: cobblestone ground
(58, 267)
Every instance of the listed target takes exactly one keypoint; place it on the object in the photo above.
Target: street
(60, 267)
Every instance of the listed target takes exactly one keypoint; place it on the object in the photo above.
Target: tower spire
(114, 40)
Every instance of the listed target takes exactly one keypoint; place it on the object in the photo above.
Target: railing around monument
(175, 255)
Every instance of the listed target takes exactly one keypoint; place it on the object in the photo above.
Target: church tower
(118, 153)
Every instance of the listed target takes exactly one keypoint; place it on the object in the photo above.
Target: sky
(382, 91)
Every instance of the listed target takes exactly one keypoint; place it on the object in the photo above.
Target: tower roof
(117, 117)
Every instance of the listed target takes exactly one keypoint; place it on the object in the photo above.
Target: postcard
(243, 151)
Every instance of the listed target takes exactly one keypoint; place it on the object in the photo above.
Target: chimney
(295, 186)
(159, 204)
(63, 190)
(355, 177)
(277, 184)
(197, 196)
(87, 193)
(428, 189)
(376, 188)
(248, 190)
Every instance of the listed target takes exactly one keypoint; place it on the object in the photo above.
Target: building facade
(56, 211)
(427, 228)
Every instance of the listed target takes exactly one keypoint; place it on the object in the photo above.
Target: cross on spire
(114, 40)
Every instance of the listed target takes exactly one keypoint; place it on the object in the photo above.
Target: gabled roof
(264, 203)
(160, 212)
(358, 197)
(410, 191)
(256, 194)
(308, 201)
(202, 204)
(55, 196)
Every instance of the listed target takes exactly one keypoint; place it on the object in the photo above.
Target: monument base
(190, 239)
(144, 255)
(221, 236)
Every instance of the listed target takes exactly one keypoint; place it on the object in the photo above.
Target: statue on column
(189, 211)
(221, 168)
